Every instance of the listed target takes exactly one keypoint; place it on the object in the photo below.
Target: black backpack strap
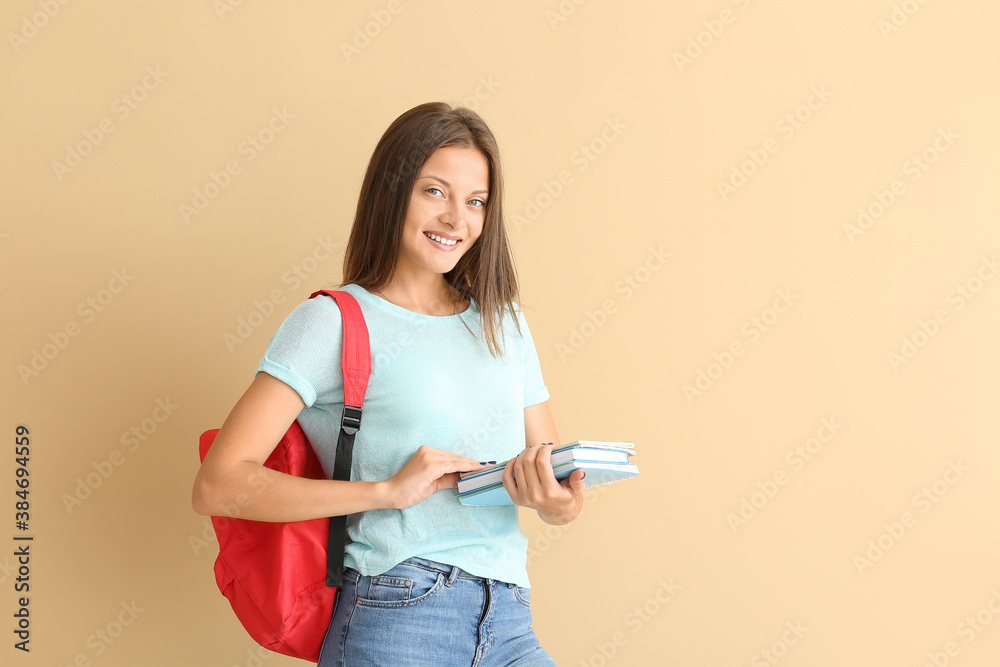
(349, 425)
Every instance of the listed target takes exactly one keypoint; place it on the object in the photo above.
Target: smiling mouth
(440, 240)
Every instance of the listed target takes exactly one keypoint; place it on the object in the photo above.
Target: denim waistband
(451, 571)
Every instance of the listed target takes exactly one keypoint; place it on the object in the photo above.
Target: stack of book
(604, 462)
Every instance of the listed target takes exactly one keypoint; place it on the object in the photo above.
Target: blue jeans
(422, 613)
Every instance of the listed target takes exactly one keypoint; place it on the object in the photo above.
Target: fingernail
(482, 463)
(584, 474)
(492, 462)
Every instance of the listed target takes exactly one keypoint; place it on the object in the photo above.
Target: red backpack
(280, 577)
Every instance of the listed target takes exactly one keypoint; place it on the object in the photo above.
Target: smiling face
(446, 212)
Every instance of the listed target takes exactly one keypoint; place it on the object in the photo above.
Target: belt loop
(452, 576)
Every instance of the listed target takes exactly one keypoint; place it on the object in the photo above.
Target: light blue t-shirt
(433, 383)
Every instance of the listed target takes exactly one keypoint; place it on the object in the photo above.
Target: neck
(429, 294)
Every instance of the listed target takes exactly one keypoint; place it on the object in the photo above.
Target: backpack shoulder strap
(356, 363)
(356, 360)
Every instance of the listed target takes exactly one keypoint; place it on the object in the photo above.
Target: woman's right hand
(429, 470)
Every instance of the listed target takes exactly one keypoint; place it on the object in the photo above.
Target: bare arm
(233, 480)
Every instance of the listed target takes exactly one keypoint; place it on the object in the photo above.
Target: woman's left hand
(530, 482)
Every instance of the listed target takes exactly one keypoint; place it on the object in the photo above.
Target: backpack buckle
(351, 421)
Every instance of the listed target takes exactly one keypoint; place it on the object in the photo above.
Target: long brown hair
(486, 272)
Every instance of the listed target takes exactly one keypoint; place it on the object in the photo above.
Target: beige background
(839, 97)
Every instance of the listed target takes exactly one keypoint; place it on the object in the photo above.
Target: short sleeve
(535, 390)
(305, 351)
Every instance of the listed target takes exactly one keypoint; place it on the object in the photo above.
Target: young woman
(455, 382)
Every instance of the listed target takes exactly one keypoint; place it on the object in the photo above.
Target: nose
(453, 213)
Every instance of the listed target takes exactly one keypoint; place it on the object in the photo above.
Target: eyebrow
(448, 185)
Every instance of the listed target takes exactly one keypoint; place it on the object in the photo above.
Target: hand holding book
(602, 463)
(530, 482)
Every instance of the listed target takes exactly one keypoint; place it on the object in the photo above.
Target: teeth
(442, 240)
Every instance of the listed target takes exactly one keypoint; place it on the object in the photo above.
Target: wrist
(555, 519)
(562, 516)
(384, 495)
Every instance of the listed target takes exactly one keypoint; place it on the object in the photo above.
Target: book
(604, 462)
(581, 450)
